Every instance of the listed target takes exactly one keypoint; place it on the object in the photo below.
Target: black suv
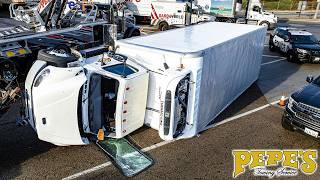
(299, 46)
(302, 111)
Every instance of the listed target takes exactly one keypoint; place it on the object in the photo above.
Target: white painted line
(266, 55)
(271, 62)
(88, 171)
(104, 165)
(242, 115)
(101, 166)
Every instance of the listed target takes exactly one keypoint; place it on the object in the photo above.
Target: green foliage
(284, 4)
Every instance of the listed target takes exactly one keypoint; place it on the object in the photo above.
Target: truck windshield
(300, 39)
(121, 69)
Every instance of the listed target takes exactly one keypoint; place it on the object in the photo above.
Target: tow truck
(32, 28)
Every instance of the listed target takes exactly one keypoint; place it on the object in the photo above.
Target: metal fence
(289, 5)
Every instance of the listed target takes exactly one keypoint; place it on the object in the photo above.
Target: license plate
(311, 132)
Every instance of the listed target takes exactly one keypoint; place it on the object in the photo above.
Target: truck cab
(70, 97)
(258, 14)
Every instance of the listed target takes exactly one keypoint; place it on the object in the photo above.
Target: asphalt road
(23, 156)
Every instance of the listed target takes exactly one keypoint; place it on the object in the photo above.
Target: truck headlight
(302, 51)
(45, 73)
(290, 103)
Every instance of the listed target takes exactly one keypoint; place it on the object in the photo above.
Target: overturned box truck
(176, 82)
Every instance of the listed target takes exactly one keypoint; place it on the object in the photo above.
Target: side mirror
(286, 38)
(309, 79)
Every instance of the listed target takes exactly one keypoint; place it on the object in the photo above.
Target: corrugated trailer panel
(224, 60)
(228, 70)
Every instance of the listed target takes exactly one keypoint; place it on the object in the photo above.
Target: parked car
(302, 111)
(298, 45)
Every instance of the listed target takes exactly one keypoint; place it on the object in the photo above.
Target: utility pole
(317, 9)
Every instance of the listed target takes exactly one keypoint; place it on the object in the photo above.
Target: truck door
(56, 104)
(255, 13)
(277, 39)
(133, 103)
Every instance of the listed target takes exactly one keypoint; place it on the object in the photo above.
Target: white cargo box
(224, 60)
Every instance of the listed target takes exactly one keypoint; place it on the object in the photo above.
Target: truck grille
(307, 114)
(315, 53)
(309, 109)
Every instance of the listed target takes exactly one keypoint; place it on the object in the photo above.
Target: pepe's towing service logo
(275, 163)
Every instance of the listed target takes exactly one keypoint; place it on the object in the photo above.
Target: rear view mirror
(309, 79)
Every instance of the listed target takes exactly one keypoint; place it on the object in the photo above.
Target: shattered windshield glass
(129, 159)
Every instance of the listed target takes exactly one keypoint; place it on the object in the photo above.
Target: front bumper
(298, 123)
(312, 57)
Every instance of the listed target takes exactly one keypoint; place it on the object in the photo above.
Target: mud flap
(125, 156)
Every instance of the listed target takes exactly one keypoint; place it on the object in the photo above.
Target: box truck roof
(192, 39)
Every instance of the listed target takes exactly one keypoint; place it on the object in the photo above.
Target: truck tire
(265, 24)
(54, 60)
(286, 125)
(136, 32)
(229, 20)
(131, 32)
(291, 57)
(163, 26)
(272, 47)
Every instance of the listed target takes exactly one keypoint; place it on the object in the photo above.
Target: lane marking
(104, 165)
(101, 166)
(278, 60)
(242, 115)
(88, 171)
(267, 55)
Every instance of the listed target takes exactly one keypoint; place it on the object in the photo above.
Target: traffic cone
(282, 101)
(100, 135)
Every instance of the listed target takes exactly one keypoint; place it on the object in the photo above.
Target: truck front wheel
(272, 47)
(291, 57)
(265, 24)
(229, 20)
(163, 26)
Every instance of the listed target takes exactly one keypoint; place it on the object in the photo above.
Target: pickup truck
(302, 110)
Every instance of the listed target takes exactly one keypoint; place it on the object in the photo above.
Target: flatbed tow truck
(32, 28)
(128, 158)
